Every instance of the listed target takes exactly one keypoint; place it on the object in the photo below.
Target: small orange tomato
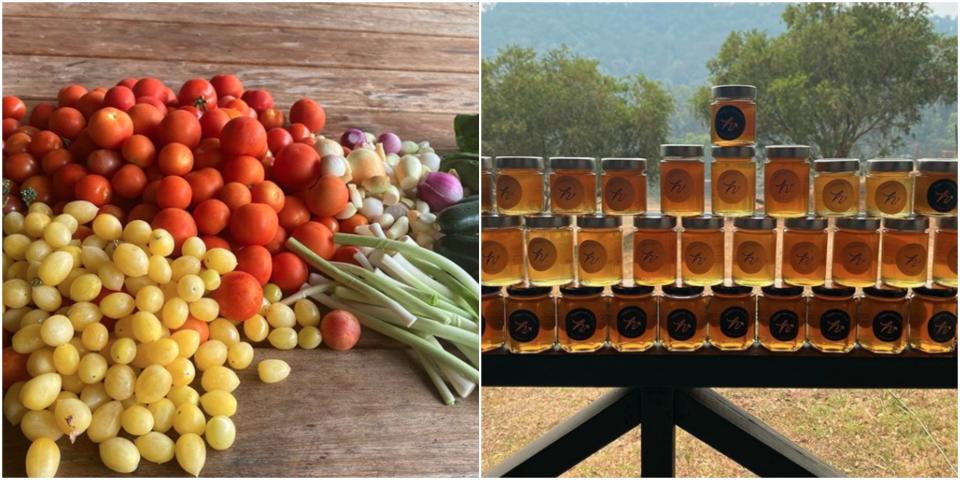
(235, 195)
(271, 118)
(139, 150)
(174, 192)
(243, 169)
(175, 159)
(269, 193)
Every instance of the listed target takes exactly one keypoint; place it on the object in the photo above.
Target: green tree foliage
(840, 73)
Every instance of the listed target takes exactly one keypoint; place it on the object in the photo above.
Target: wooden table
(408, 68)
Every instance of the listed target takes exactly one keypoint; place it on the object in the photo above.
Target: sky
(947, 9)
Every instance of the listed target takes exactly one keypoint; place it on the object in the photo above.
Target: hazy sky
(948, 9)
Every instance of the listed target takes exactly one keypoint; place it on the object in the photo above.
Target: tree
(841, 72)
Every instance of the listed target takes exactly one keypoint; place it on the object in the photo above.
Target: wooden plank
(357, 413)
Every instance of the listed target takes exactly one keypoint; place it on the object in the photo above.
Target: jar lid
(573, 163)
(757, 222)
(487, 290)
(623, 163)
(621, 289)
(547, 221)
(806, 223)
(787, 151)
(937, 165)
(912, 224)
(521, 291)
(734, 91)
(936, 292)
(682, 290)
(890, 165)
(885, 292)
(731, 289)
(836, 165)
(681, 150)
(499, 221)
(703, 222)
(733, 152)
(486, 163)
(520, 162)
(581, 290)
(655, 221)
(949, 223)
(785, 291)
(858, 223)
(833, 291)
(598, 221)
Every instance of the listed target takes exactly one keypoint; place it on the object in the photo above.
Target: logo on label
(509, 191)
(494, 257)
(681, 324)
(838, 195)
(631, 322)
(731, 186)
(567, 192)
(698, 257)
(581, 324)
(729, 122)
(784, 325)
(734, 322)
(619, 194)
(912, 259)
(677, 185)
(857, 257)
(942, 195)
(888, 326)
(592, 256)
(835, 325)
(750, 257)
(523, 325)
(890, 197)
(541, 254)
(942, 327)
(649, 255)
(784, 186)
(804, 257)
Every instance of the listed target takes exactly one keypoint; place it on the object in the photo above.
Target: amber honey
(654, 250)
(632, 318)
(836, 187)
(681, 180)
(492, 318)
(573, 185)
(549, 250)
(933, 320)
(804, 255)
(781, 318)
(733, 178)
(733, 111)
(501, 250)
(683, 318)
(935, 192)
(856, 246)
(487, 192)
(701, 250)
(531, 319)
(732, 314)
(624, 186)
(889, 188)
(786, 181)
(883, 315)
(830, 319)
(519, 185)
(945, 252)
(581, 318)
(754, 251)
(904, 252)
(599, 250)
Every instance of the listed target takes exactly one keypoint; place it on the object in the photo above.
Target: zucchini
(468, 170)
(463, 217)
(464, 250)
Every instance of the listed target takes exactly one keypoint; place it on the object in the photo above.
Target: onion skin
(440, 190)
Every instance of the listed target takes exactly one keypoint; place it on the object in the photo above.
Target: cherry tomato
(205, 183)
(253, 224)
(243, 136)
(174, 192)
(114, 210)
(139, 150)
(346, 254)
(350, 224)
(269, 193)
(243, 169)
(129, 181)
(149, 87)
(278, 242)
(316, 237)
(65, 180)
(277, 138)
(150, 191)
(120, 97)
(211, 216)
(235, 195)
(40, 186)
(70, 95)
(330, 222)
(212, 122)
(109, 127)
(227, 85)
(94, 189)
(289, 271)
(18, 142)
(301, 134)
(40, 115)
(104, 162)
(67, 122)
(54, 159)
(213, 241)
(239, 296)
(294, 213)
(255, 260)
(14, 366)
(143, 211)
(241, 108)
(43, 142)
(146, 119)
(82, 146)
(175, 159)
(176, 221)
(327, 196)
(271, 118)
(198, 326)
(309, 113)
(296, 167)
(13, 107)
(258, 100)
(179, 126)
(90, 102)
(155, 103)
(198, 93)
(19, 166)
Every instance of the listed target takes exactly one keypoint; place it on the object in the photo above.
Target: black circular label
(681, 324)
(942, 195)
(581, 323)
(942, 327)
(784, 325)
(631, 322)
(888, 326)
(524, 325)
(835, 325)
(734, 322)
(729, 122)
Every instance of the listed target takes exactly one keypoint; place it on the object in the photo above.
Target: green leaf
(467, 129)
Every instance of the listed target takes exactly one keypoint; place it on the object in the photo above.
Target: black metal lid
(573, 163)
(733, 152)
(911, 224)
(836, 165)
(833, 291)
(487, 290)
(731, 289)
(702, 222)
(756, 222)
(520, 162)
(784, 291)
(733, 91)
(579, 290)
(889, 165)
(937, 165)
(655, 221)
(885, 292)
(547, 221)
(787, 151)
(806, 223)
(599, 221)
(617, 163)
(681, 150)
(521, 291)
(936, 292)
(858, 223)
(621, 289)
(499, 221)
(949, 223)
(682, 290)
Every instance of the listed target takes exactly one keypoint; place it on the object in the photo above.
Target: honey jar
(889, 188)
(501, 250)
(549, 250)
(599, 260)
(519, 183)
(573, 185)
(531, 315)
(683, 318)
(581, 318)
(933, 320)
(945, 252)
(733, 110)
(624, 186)
(856, 243)
(883, 315)
(732, 316)
(633, 318)
(701, 250)
(681, 180)
(654, 250)
(830, 325)
(804, 256)
(754, 251)
(836, 187)
(786, 181)
(491, 318)
(733, 178)
(487, 193)
(904, 256)
(782, 317)
(935, 193)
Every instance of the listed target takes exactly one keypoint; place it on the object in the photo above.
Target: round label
(835, 325)
(734, 322)
(750, 257)
(649, 255)
(581, 323)
(784, 325)
(509, 191)
(729, 122)
(541, 254)
(619, 194)
(890, 197)
(495, 257)
(912, 259)
(678, 185)
(567, 192)
(856, 257)
(681, 324)
(838, 195)
(942, 195)
(888, 326)
(592, 256)
(804, 257)
(942, 327)
(631, 322)
(698, 257)
(523, 325)
(731, 186)
(784, 186)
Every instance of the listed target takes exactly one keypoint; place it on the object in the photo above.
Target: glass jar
(733, 178)
(701, 246)
(519, 185)
(830, 325)
(654, 250)
(786, 181)
(882, 320)
(501, 250)
(754, 251)
(681, 180)
(581, 318)
(836, 187)
(734, 115)
(903, 261)
(573, 185)
(549, 250)
(782, 317)
(491, 318)
(633, 318)
(487, 193)
(732, 313)
(531, 315)
(933, 320)
(889, 188)
(599, 256)
(683, 317)
(624, 186)
(945, 252)
(935, 193)
(856, 246)
(804, 256)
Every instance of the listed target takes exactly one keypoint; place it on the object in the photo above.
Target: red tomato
(227, 85)
(301, 134)
(346, 254)
(205, 184)
(175, 159)
(241, 107)
(9, 126)
(179, 126)
(296, 166)
(351, 224)
(67, 122)
(40, 186)
(309, 113)
(174, 192)
(211, 216)
(253, 224)
(327, 196)
(91, 102)
(94, 189)
(70, 95)
(128, 82)
(143, 211)
(40, 115)
(44, 142)
(155, 103)
(65, 180)
(176, 221)
(104, 162)
(330, 222)
(235, 195)
(278, 242)
(19, 166)
(139, 150)
(243, 169)
(199, 326)
(113, 210)
(243, 136)
(198, 93)
(289, 271)
(54, 159)
(109, 127)
(258, 100)
(316, 237)
(269, 193)
(212, 122)
(239, 296)
(271, 118)
(208, 154)
(255, 260)
(18, 142)
(82, 146)
(146, 119)
(277, 138)
(13, 107)
(129, 181)
(149, 87)
(213, 241)
(14, 364)
(120, 97)
(294, 213)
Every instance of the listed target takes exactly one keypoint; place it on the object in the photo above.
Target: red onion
(391, 142)
(352, 138)
(440, 190)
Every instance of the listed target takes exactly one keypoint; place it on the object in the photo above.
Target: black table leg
(657, 432)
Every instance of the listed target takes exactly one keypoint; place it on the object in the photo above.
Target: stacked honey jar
(832, 273)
